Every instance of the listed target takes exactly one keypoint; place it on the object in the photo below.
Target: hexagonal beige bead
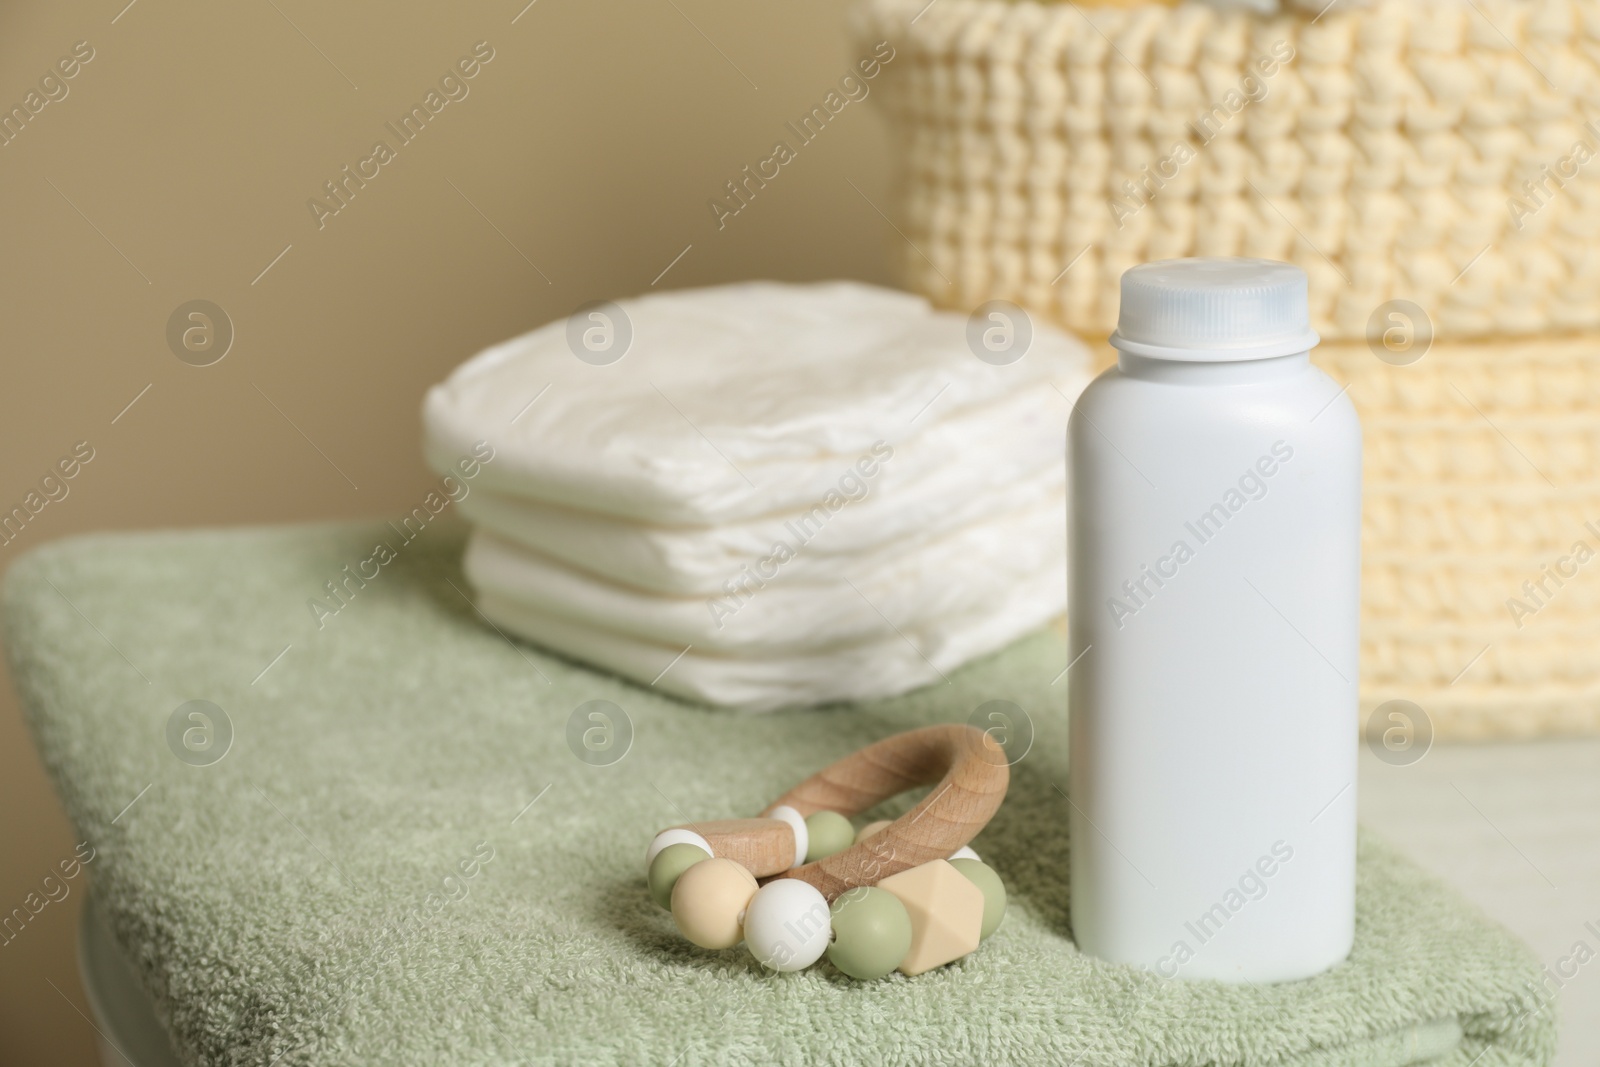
(946, 911)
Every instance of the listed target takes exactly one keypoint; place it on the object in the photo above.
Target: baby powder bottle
(1214, 551)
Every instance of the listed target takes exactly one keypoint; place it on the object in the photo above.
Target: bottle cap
(1214, 310)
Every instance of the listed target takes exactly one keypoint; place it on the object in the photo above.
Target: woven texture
(1382, 148)
(1480, 475)
(1381, 156)
(401, 861)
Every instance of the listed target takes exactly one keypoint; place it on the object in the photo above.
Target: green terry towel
(401, 859)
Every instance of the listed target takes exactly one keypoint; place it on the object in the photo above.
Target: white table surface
(1516, 828)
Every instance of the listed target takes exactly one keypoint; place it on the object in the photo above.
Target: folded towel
(306, 899)
(747, 400)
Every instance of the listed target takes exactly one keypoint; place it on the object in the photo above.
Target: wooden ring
(971, 773)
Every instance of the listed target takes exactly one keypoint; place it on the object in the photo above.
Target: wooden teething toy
(906, 894)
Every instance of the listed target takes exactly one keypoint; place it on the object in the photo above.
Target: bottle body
(1214, 555)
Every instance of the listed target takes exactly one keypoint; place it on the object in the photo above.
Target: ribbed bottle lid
(1214, 310)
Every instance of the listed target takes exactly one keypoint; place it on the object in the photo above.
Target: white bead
(787, 925)
(677, 836)
(964, 853)
(802, 837)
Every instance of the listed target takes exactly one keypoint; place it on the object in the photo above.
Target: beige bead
(709, 899)
(870, 829)
(946, 911)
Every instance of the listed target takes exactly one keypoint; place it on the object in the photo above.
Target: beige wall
(179, 165)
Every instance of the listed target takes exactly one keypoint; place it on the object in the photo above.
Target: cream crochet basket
(1434, 152)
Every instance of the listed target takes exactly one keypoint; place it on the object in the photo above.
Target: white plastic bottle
(1214, 551)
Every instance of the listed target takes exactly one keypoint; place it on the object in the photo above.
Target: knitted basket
(1425, 162)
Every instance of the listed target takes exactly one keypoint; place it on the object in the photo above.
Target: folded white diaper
(736, 401)
(951, 578)
(777, 495)
(873, 524)
(862, 671)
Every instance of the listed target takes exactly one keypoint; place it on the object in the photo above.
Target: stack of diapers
(775, 494)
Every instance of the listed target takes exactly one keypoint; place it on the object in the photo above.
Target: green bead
(829, 832)
(994, 892)
(871, 932)
(669, 863)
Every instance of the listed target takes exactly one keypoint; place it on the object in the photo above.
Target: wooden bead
(797, 826)
(709, 900)
(763, 847)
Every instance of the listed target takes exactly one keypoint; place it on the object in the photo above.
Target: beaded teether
(905, 894)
